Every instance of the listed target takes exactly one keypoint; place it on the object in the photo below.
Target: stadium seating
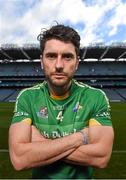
(109, 76)
(20, 68)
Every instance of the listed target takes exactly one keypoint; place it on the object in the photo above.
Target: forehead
(55, 45)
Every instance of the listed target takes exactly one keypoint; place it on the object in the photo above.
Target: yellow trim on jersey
(60, 97)
(28, 121)
(94, 122)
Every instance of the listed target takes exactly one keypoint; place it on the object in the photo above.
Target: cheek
(48, 68)
(71, 68)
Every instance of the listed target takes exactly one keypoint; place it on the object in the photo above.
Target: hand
(85, 133)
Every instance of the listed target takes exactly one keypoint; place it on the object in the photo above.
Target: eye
(51, 56)
(68, 56)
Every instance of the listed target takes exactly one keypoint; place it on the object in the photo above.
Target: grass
(6, 169)
(115, 170)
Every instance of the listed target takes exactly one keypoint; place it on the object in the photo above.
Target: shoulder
(90, 91)
(87, 88)
(96, 91)
(31, 90)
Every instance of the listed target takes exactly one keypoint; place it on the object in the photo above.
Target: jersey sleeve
(22, 108)
(101, 111)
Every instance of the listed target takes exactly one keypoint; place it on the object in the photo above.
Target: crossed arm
(28, 148)
(98, 152)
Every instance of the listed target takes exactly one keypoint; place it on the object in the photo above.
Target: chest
(60, 118)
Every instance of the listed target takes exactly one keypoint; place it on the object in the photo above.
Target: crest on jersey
(43, 112)
(77, 107)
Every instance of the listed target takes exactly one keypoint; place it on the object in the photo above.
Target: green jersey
(85, 106)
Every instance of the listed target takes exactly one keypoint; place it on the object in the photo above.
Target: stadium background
(100, 66)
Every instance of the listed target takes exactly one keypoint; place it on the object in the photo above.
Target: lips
(59, 75)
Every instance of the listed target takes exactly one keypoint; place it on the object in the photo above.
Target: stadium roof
(31, 52)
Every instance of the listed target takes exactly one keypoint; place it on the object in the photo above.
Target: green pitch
(115, 170)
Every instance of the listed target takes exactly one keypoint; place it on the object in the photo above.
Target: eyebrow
(68, 54)
(63, 54)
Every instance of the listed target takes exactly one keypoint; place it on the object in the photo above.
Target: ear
(41, 61)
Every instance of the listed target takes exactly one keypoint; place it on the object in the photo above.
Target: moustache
(59, 73)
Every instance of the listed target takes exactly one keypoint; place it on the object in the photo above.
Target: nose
(59, 63)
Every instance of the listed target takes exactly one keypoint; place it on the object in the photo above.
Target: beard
(59, 82)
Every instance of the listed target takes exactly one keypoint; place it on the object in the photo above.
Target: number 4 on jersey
(60, 116)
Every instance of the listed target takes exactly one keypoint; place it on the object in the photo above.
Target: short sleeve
(22, 108)
(101, 110)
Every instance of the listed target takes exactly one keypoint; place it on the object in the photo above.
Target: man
(60, 128)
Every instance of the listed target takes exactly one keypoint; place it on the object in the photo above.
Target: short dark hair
(62, 33)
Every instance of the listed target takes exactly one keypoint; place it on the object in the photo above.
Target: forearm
(46, 152)
(98, 150)
(51, 160)
(89, 155)
(95, 153)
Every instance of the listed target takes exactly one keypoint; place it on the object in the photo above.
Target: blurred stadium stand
(100, 66)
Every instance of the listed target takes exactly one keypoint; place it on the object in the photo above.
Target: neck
(59, 90)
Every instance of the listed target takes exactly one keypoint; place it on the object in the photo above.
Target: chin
(60, 83)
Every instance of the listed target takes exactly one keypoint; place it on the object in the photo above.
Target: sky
(97, 21)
